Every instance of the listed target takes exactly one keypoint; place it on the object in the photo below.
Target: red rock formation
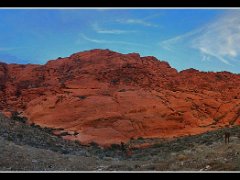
(108, 97)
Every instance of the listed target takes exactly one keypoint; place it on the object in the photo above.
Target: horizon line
(107, 49)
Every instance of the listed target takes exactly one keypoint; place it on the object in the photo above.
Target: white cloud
(137, 22)
(205, 58)
(102, 41)
(143, 21)
(208, 52)
(109, 31)
(93, 40)
(169, 44)
(219, 39)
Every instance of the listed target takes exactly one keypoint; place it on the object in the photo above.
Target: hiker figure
(227, 136)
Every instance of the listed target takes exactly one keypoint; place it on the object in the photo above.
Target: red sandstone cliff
(108, 97)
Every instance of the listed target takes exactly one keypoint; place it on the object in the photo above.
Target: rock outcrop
(107, 97)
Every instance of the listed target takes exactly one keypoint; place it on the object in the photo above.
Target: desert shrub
(105, 93)
(67, 92)
(2, 86)
(64, 134)
(158, 145)
(59, 129)
(37, 126)
(62, 85)
(24, 84)
(129, 168)
(122, 90)
(136, 166)
(75, 133)
(48, 130)
(10, 138)
(115, 146)
(18, 92)
(127, 66)
(16, 117)
(128, 80)
(219, 77)
(114, 81)
(140, 138)
(94, 144)
(20, 136)
(77, 142)
(82, 97)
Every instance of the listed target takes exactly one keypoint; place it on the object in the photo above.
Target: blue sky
(206, 39)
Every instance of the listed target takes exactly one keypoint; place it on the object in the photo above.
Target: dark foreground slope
(25, 147)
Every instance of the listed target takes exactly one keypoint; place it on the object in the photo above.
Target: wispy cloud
(100, 30)
(205, 58)
(134, 21)
(143, 21)
(6, 49)
(206, 53)
(219, 39)
(170, 44)
(102, 41)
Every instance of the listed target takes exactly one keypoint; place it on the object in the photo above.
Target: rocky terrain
(106, 97)
(25, 147)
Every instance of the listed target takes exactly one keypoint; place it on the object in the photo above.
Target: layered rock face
(107, 97)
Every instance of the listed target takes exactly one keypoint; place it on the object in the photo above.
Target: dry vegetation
(27, 148)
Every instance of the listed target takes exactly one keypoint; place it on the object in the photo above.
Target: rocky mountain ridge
(107, 97)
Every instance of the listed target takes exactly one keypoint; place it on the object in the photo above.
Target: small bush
(18, 93)
(123, 147)
(76, 133)
(94, 144)
(219, 77)
(82, 97)
(64, 134)
(128, 80)
(77, 142)
(16, 117)
(127, 66)
(114, 81)
(37, 126)
(48, 130)
(158, 145)
(20, 136)
(115, 146)
(122, 90)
